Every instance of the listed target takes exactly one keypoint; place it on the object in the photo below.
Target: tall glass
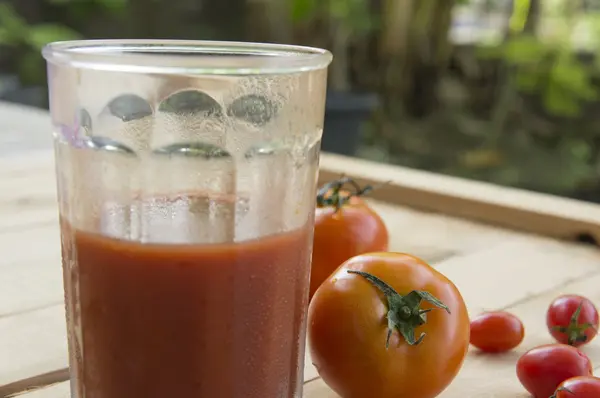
(186, 179)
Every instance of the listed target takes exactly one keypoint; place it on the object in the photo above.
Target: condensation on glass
(135, 120)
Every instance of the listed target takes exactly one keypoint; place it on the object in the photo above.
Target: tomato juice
(223, 320)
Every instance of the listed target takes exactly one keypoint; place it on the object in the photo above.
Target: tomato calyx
(574, 330)
(331, 194)
(404, 312)
(555, 395)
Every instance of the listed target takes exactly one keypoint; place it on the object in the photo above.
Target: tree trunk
(143, 19)
(269, 21)
(533, 18)
(226, 18)
(415, 50)
(339, 73)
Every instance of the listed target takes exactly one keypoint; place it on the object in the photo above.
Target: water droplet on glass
(190, 102)
(107, 144)
(85, 120)
(193, 149)
(189, 116)
(264, 149)
(126, 119)
(254, 109)
(128, 107)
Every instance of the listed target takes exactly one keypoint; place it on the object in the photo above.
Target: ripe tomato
(579, 387)
(496, 331)
(543, 368)
(367, 340)
(345, 226)
(572, 320)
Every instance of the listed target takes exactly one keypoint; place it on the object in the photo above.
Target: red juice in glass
(220, 320)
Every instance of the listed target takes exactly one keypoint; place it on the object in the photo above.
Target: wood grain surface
(32, 326)
(479, 235)
(522, 276)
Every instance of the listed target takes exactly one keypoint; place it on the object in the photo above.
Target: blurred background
(504, 91)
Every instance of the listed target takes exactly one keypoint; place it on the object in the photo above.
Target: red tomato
(387, 325)
(345, 226)
(572, 320)
(497, 331)
(579, 387)
(543, 368)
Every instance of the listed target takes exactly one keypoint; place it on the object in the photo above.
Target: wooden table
(504, 249)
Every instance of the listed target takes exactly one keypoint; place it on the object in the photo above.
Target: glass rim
(186, 56)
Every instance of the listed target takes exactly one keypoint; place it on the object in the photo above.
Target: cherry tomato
(572, 320)
(543, 368)
(388, 325)
(345, 226)
(497, 331)
(579, 387)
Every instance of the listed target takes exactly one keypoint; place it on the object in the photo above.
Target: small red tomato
(345, 226)
(572, 320)
(579, 387)
(496, 331)
(543, 368)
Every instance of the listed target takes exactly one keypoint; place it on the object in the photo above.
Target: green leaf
(340, 9)
(6, 38)
(528, 79)
(31, 68)
(520, 15)
(524, 49)
(489, 52)
(114, 6)
(572, 75)
(13, 24)
(42, 34)
(559, 104)
(303, 9)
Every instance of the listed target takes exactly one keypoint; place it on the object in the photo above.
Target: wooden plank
(436, 237)
(38, 382)
(29, 286)
(515, 258)
(30, 280)
(512, 208)
(23, 162)
(60, 390)
(38, 244)
(32, 343)
(23, 128)
(534, 271)
(514, 271)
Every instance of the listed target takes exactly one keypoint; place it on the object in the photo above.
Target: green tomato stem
(404, 313)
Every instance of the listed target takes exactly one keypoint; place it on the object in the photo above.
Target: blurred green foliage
(521, 110)
(14, 30)
(28, 40)
(354, 15)
(552, 68)
(557, 73)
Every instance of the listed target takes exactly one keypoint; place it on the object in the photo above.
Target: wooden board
(535, 271)
(30, 274)
(492, 204)
(481, 258)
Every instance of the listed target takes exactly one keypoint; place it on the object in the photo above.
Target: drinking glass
(186, 175)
